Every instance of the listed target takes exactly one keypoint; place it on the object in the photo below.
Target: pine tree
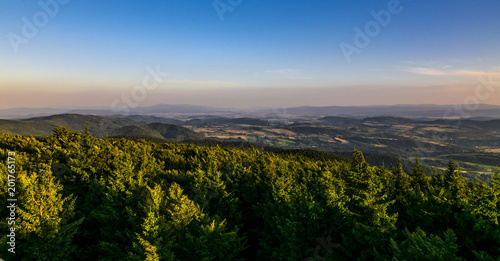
(495, 187)
(155, 241)
(451, 173)
(418, 178)
(495, 181)
(456, 184)
(419, 246)
(45, 220)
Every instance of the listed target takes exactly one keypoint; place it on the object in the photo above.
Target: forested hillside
(84, 198)
(160, 131)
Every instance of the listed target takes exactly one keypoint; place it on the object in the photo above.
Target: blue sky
(263, 53)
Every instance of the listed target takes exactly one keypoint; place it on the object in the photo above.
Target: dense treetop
(84, 198)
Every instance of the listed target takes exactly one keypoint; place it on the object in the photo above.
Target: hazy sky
(244, 53)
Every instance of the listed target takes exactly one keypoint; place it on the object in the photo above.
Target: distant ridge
(388, 120)
(483, 111)
(99, 126)
(413, 111)
(158, 130)
(219, 120)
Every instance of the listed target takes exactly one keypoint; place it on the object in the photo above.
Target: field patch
(283, 131)
(342, 140)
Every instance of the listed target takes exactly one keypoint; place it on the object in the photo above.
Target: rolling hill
(100, 126)
(157, 130)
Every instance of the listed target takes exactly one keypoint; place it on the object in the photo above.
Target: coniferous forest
(84, 198)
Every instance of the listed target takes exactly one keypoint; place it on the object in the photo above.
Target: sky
(244, 53)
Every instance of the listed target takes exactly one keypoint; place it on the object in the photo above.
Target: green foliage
(45, 223)
(419, 246)
(156, 131)
(418, 178)
(84, 198)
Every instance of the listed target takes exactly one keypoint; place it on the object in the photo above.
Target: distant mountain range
(21, 113)
(411, 111)
(175, 129)
(100, 126)
(482, 112)
(384, 139)
(157, 130)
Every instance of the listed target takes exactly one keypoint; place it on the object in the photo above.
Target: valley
(473, 144)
